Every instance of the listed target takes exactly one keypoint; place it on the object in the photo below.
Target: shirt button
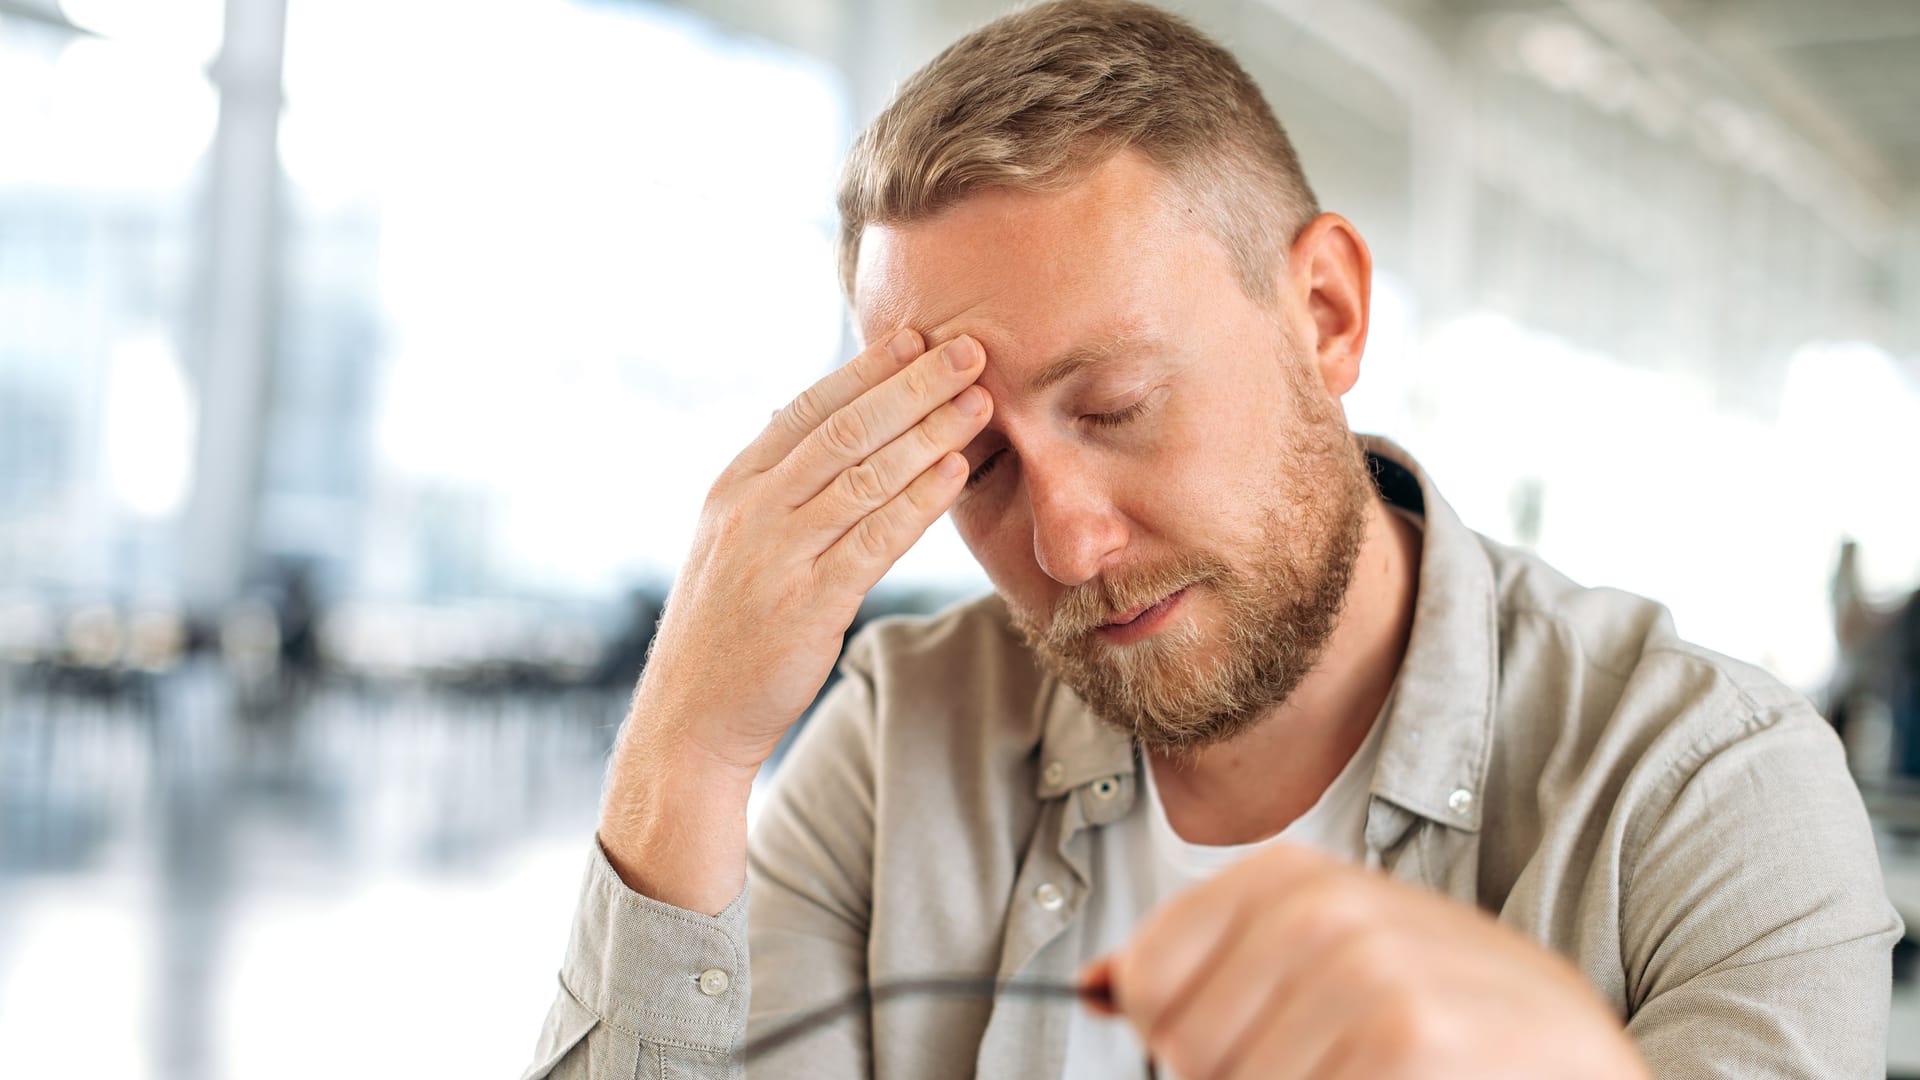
(1105, 787)
(714, 982)
(1049, 896)
(1460, 801)
(1055, 773)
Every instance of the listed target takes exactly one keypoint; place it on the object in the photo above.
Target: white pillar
(233, 326)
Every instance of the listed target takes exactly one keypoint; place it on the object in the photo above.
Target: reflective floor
(197, 884)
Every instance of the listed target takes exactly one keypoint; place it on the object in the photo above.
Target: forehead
(1032, 274)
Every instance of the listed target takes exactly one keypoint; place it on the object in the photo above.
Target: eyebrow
(1073, 360)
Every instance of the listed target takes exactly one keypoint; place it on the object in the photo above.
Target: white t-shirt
(1139, 862)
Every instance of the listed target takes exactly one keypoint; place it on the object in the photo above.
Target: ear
(1328, 290)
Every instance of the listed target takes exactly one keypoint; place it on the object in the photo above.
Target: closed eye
(980, 471)
(1118, 416)
(1106, 420)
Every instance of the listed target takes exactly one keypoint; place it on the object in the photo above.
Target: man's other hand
(1294, 964)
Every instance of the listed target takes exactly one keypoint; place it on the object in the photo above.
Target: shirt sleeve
(639, 994)
(1756, 930)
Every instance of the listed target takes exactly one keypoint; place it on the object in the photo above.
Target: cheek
(1194, 473)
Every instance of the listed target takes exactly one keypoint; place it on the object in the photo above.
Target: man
(1255, 740)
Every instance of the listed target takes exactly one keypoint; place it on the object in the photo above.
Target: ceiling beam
(1860, 197)
(1798, 24)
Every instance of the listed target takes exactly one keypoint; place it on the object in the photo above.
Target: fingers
(1202, 1030)
(1304, 1047)
(1254, 986)
(1323, 1030)
(1328, 971)
(880, 361)
(1206, 969)
(858, 560)
(849, 434)
(1169, 954)
(866, 487)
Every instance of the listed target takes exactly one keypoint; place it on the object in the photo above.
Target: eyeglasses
(879, 993)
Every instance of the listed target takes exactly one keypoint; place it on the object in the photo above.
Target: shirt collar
(1077, 747)
(1433, 753)
(1439, 714)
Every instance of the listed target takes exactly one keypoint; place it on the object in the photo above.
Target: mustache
(1086, 607)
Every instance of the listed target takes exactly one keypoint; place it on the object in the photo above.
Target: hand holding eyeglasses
(1295, 964)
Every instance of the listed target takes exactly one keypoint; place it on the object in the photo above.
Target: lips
(1138, 624)
(1131, 614)
(1128, 616)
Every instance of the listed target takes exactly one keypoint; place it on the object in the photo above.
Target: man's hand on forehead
(794, 533)
(806, 520)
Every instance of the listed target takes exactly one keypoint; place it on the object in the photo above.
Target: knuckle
(870, 537)
(924, 499)
(807, 410)
(930, 442)
(915, 381)
(845, 432)
(865, 484)
(826, 577)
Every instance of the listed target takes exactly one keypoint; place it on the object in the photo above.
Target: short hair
(1035, 100)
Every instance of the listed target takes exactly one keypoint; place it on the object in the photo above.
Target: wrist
(677, 833)
(667, 731)
(673, 822)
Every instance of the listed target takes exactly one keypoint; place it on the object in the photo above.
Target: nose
(1077, 530)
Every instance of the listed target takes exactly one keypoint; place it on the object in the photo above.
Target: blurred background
(363, 366)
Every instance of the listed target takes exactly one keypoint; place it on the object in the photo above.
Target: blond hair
(1034, 100)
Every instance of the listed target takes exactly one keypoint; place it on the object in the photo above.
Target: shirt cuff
(664, 974)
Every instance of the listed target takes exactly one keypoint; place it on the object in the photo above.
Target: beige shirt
(1678, 824)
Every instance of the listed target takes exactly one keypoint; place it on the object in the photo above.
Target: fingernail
(952, 465)
(971, 401)
(904, 346)
(960, 353)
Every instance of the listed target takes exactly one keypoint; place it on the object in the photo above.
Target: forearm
(674, 820)
(794, 533)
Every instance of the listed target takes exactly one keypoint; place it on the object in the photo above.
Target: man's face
(1167, 497)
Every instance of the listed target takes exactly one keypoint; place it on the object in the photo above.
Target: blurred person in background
(1256, 745)
(1877, 666)
(1906, 688)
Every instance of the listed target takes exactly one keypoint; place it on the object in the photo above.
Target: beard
(1176, 692)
